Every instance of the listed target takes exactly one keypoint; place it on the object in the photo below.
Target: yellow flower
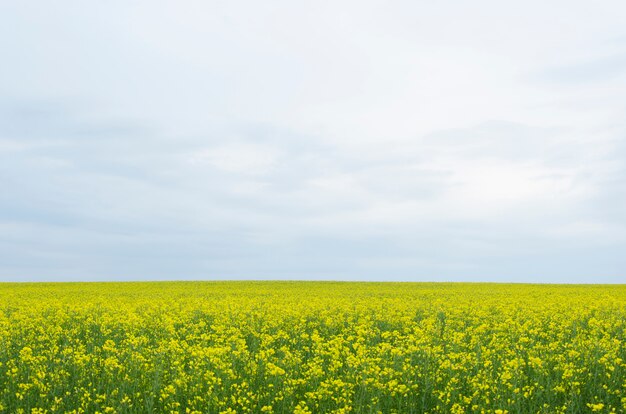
(596, 407)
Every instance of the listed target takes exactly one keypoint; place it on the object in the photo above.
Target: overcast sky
(353, 140)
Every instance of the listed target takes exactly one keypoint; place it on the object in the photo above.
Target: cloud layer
(363, 141)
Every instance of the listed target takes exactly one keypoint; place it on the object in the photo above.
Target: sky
(326, 140)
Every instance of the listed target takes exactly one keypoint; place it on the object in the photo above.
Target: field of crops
(300, 347)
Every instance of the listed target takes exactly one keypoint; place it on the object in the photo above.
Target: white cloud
(240, 139)
(244, 158)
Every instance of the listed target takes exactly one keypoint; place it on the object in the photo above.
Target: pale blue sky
(356, 140)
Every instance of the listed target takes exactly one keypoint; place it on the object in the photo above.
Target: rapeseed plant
(309, 347)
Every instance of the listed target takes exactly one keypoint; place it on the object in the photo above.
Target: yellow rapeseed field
(311, 347)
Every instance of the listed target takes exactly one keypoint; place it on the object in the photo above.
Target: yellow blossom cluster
(311, 347)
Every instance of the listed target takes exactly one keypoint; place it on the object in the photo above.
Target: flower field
(311, 347)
